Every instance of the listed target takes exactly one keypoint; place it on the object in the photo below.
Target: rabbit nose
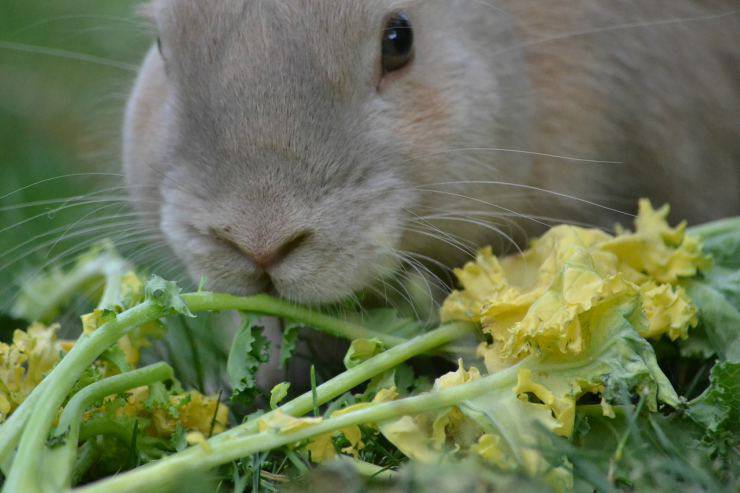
(264, 257)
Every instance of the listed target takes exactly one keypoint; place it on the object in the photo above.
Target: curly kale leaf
(248, 352)
(166, 294)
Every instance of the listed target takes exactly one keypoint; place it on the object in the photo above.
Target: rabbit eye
(398, 42)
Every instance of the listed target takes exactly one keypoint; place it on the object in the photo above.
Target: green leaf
(166, 294)
(718, 408)
(179, 439)
(362, 350)
(716, 293)
(43, 296)
(278, 393)
(662, 453)
(719, 319)
(405, 379)
(116, 357)
(249, 350)
(198, 349)
(159, 396)
(721, 239)
(288, 344)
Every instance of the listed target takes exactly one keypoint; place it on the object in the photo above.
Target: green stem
(267, 305)
(61, 459)
(351, 378)
(166, 472)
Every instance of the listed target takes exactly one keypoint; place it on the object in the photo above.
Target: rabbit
(313, 148)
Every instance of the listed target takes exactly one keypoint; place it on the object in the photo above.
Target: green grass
(59, 116)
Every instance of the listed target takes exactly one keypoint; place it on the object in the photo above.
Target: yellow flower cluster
(192, 411)
(535, 302)
(25, 362)
(37, 350)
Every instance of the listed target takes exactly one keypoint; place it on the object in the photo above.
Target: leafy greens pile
(602, 362)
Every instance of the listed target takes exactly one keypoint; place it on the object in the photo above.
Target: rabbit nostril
(293, 244)
(266, 258)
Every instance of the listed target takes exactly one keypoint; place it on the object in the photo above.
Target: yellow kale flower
(320, 447)
(25, 362)
(196, 412)
(192, 411)
(656, 250)
(198, 438)
(563, 406)
(669, 311)
(353, 434)
(535, 302)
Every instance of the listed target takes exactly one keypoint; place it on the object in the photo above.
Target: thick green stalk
(267, 305)
(61, 459)
(166, 472)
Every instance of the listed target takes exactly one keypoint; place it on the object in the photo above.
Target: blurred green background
(65, 71)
